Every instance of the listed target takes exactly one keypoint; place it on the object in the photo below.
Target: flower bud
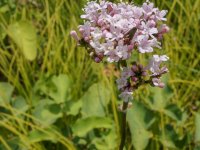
(130, 47)
(140, 66)
(160, 36)
(164, 29)
(161, 85)
(134, 68)
(97, 59)
(92, 29)
(74, 35)
(109, 8)
(100, 55)
(81, 30)
(100, 22)
(134, 79)
(104, 32)
(86, 39)
(144, 73)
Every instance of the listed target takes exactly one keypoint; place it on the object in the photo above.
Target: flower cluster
(115, 30)
(131, 78)
(137, 75)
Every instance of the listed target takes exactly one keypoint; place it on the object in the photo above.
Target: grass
(58, 54)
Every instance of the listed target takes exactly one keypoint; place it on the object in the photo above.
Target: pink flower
(85, 29)
(106, 22)
(145, 45)
(154, 64)
(159, 15)
(147, 30)
(148, 8)
(164, 29)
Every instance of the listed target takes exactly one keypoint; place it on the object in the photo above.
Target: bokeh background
(54, 97)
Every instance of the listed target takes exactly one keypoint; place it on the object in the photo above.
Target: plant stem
(123, 63)
(123, 126)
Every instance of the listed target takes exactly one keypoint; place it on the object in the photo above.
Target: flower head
(116, 29)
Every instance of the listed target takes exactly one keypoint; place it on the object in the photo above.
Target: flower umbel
(114, 31)
(136, 75)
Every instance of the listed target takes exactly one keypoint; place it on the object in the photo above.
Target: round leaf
(24, 35)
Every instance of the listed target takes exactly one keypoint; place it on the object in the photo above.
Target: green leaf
(109, 141)
(44, 113)
(83, 126)
(140, 119)
(20, 103)
(73, 107)
(63, 84)
(173, 111)
(140, 114)
(159, 98)
(23, 34)
(43, 85)
(13, 143)
(6, 90)
(95, 100)
(38, 136)
(197, 127)
(158, 102)
(2, 33)
(54, 108)
(4, 9)
(169, 137)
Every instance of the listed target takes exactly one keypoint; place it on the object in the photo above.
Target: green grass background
(57, 53)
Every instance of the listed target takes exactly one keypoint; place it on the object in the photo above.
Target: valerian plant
(113, 32)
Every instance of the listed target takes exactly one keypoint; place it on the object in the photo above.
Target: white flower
(97, 46)
(147, 30)
(126, 96)
(157, 82)
(127, 72)
(154, 64)
(137, 12)
(144, 44)
(112, 56)
(160, 15)
(85, 29)
(121, 82)
(122, 50)
(96, 34)
(148, 8)
(91, 11)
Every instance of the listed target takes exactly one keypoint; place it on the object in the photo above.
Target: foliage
(52, 96)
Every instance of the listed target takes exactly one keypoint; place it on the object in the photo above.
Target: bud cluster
(131, 78)
(137, 75)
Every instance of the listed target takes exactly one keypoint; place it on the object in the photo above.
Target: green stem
(123, 126)
(163, 128)
(123, 63)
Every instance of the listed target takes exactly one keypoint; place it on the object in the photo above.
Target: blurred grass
(58, 53)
